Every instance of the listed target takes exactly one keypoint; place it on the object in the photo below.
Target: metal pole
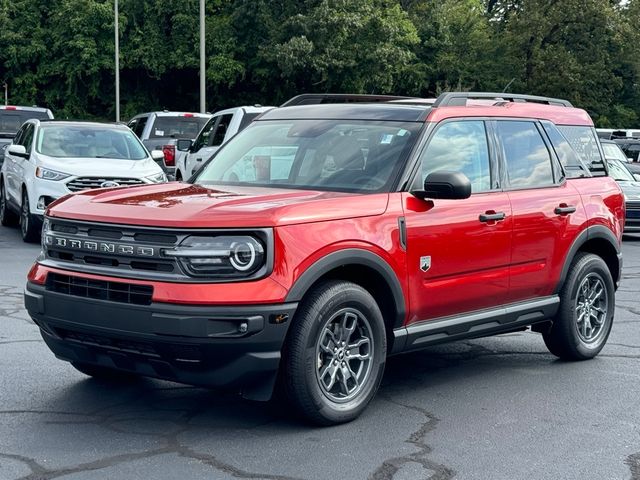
(203, 102)
(117, 65)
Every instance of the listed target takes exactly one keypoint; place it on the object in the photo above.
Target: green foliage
(60, 53)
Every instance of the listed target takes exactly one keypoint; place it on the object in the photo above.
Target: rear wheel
(7, 217)
(587, 301)
(335, 353)
(28, 222)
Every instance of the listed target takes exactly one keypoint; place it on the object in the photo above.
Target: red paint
(474, 264)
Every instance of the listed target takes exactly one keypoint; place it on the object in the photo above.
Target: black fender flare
(589, 233)
(351, 256)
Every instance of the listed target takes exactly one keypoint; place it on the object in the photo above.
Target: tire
(29, 224)
(103, 373)
(8, 218)
(571, 338)
(332, 317)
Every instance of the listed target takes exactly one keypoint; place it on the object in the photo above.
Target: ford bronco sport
(323, 238)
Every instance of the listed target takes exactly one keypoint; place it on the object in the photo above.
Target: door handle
(564, 209)
(491, 216)
(198, 159)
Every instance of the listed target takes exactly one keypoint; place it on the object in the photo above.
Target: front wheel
(584, 319)
(28, 223)
(335, 353)
(7, 217)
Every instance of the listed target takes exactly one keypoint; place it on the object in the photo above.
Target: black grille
(84, 183)
(100, 289)
(140, 348)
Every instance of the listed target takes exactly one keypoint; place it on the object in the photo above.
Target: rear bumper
(214, 346)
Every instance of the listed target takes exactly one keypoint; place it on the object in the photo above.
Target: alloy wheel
(591, 308)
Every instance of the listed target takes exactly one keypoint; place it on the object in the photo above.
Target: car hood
(193, 206)
(103, 167)
(631, 190)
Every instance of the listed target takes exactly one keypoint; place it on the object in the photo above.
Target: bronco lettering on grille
(102, 247)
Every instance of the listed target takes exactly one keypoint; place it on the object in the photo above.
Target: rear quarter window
(584, 141)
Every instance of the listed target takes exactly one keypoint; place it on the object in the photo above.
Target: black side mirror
(184, 144)
(445, 185)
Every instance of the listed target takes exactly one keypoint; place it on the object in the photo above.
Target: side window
(566, 154)
(221, 130)
(460, 146)
(203, 137)
(526, 156)
(27, 138)
(139, 126)
(17, 140)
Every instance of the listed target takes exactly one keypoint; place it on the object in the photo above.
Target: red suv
(324, 238)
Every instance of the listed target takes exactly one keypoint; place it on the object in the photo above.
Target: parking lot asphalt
(493, 408)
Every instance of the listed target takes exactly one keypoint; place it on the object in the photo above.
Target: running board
(476, 324)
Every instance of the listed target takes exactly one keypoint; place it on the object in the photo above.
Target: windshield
(89, 141)
(179, 126)
(618, 171)
(612, 150)
(12, 120)
(341, 155)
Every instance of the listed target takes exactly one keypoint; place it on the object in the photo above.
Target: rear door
(547, 210)
(458, 251)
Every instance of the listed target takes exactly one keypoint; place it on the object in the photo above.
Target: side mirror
(18, 151)
(184, 144)
(445, 185)
(157, 155)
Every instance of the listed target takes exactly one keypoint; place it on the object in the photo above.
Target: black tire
(29, 224)
(317, 322)
(104, 373)
(8, 218)
(569, 338)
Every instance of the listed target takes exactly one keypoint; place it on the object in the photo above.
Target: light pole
(203, 102)
(117, 64)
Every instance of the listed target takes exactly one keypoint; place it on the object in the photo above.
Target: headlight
(157, 178)
(224, 256)
(47, 174)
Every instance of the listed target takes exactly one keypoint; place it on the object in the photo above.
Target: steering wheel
(369, 182)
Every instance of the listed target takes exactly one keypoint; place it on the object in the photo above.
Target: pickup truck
(161, 131)
(219, 129)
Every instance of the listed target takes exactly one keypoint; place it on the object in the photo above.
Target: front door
(458, 251)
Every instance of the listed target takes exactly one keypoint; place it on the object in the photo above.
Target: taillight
(169, 155)
(10, 107)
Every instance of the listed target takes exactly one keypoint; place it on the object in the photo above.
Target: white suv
(223, 125)
(48, 160)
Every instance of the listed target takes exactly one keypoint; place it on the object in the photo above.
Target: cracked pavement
(494, 408)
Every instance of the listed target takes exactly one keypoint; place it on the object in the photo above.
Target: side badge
(425, 263)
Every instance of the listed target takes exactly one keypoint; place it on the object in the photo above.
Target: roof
(19, 108)
(72, 123)
(556, 114)
(350, 111)
(164, 113)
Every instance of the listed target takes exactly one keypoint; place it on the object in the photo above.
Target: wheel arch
(364, 268)
(600, 241)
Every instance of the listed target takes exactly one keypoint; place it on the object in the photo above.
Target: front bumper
(214, 346)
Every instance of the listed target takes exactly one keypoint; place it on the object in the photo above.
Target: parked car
(630, 147)
(161, 131)
(219, 129)
(48, 160)
(630, 186)
(12, 118)
(612, 150)
(380, 229)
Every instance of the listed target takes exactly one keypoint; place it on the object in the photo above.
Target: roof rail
(450, 99)
(317, 98)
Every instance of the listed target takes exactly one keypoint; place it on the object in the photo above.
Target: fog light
(41, 205)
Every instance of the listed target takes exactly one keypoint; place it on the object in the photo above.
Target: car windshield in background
(12, 120)
(618, 171)
(611, 150)
(177, 127)
(84, 141)
(340, 155)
